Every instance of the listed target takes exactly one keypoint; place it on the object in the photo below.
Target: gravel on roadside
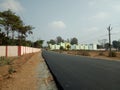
(46, 81)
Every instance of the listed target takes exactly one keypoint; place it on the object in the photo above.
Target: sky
(87, 20)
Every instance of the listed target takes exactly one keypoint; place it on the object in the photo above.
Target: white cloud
(101, 16)
(11, 4)
(57, 25)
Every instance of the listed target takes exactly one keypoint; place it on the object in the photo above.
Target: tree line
(59, 39)
(104, 44)
(13, 31)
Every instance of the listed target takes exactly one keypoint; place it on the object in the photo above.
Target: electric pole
(109, 29)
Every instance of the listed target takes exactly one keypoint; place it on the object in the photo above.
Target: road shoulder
(33, 75)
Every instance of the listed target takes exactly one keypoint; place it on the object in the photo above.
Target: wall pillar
(19, 50)
(6, 52)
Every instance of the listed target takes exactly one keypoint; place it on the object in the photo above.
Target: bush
(68, 47)
(112, 54)
(11, 70)
(61, 48)
(4, 61)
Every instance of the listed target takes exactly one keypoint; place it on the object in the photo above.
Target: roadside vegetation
(94, 54)
(9, 65)
(103, 47)
(13, 31)
(5, 61)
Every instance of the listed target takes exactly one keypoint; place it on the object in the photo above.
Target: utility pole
(109, 29)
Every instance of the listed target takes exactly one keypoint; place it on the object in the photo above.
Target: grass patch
(5, 61)
(11, 70)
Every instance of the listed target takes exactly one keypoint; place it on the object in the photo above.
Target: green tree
(59, 40)
(52, 42)
(2, 37)
(74, 41)
(99, 46)
(116, 44)
(8, 21)
(68, 47)
(107, 45)
(61, 48)
(38, 43)
(11, 23)
(16, 23)
(23, 30)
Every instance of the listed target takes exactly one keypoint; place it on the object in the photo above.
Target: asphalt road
(83, 73)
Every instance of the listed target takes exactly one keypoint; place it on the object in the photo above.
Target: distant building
(57, 47)
(86, 47)
(52, 47)
(90, 46)
(73, 47)
(77, 47)
(82, 47)
(62, 44)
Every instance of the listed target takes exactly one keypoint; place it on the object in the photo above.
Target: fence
(16, 50)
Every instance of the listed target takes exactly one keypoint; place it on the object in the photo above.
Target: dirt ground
(92, 54)
(30, 73)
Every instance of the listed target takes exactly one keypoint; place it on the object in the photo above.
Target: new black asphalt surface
(83, 73)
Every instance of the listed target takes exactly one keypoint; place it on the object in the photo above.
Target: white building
(90, 46)
(57, 47)
(74, 47)
(77, 47)
(52, 47)
(94, 46)
(62, 44)
(82, 47)
(86, 47)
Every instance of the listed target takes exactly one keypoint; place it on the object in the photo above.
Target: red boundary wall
(17, 50)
